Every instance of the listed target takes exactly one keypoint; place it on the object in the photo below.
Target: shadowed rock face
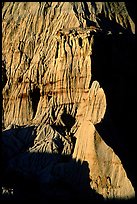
(52, 100)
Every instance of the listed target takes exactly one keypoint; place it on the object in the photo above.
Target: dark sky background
(114, 66)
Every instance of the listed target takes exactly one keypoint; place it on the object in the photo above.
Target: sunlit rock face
(51, 99)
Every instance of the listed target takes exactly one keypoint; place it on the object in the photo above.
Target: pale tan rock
(107, 174)
(33, 55)
(93, 105)
(47, 56)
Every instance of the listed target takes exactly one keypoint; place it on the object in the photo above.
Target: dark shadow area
(35, 97)
(4, 75)
(24, 135)
(131, 8)
(44, 177)
(72, 187)
(114, 66)
(13, 142)
(111, 25)
(68, 120)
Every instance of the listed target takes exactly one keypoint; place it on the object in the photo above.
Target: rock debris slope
(50, 100)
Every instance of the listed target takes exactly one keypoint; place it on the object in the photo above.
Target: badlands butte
(68, 101)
